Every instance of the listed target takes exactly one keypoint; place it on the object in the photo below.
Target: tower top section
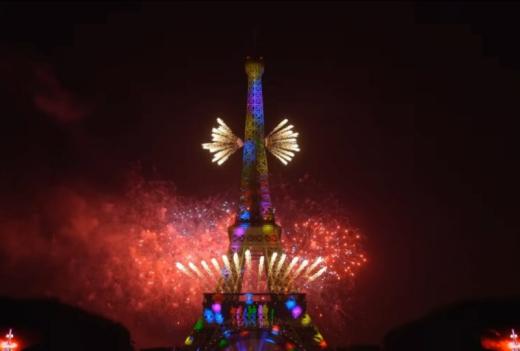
(254, 67)
(255, 228)
(255, 200)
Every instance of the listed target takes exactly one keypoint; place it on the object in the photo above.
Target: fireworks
(282, 142)
(9, 344)
(501, 342)
(281, 277)
(117, 256)
(223, 143)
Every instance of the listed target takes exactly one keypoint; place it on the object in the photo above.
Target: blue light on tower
(290, 303)
(208, 315)
(249, 299)
(219, 318)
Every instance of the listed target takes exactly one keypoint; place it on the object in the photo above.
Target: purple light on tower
(216, 307)
(296, 311)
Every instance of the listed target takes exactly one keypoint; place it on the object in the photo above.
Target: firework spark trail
(125, 256)
(237, 274)
(248, 279)
(183, 269)
(248, 260)
(300, 269)
(290, 267)
(219, 271)
(312, 266)
(236, 262)
(280, 264)
(195, 269)
(317, 274)
(228, 276)
(225, 259)
(270, 267)
(215, 264)
(278, 280)
(206, 268)
(282, 143)
(260, 271)
(223, 143)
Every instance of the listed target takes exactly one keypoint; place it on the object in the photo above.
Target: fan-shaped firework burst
(282, 142)
(223, 143)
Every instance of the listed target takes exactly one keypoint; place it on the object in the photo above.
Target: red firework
(116, 256)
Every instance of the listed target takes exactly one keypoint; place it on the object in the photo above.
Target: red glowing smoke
(116, 255)
(500, 341)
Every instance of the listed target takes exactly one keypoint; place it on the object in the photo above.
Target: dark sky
(408, 112)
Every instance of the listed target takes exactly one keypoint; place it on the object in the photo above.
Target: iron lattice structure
(245, 317)
(255, 199)
(255, 228)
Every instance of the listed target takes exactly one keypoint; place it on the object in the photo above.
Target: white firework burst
(282, 142)
(223, 143)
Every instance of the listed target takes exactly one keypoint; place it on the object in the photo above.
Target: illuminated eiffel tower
(255, 309)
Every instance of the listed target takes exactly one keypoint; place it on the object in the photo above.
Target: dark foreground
(47, 324)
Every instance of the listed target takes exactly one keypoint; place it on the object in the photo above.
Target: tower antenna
(255, 37)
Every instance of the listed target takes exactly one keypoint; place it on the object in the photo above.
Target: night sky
(407, 112)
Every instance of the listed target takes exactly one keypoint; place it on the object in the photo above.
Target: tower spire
(255, 40)
(254, 228)
(255, 200)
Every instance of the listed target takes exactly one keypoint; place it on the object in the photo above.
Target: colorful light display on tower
(257, 303)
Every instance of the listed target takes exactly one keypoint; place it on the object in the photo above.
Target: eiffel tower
(255, 309)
